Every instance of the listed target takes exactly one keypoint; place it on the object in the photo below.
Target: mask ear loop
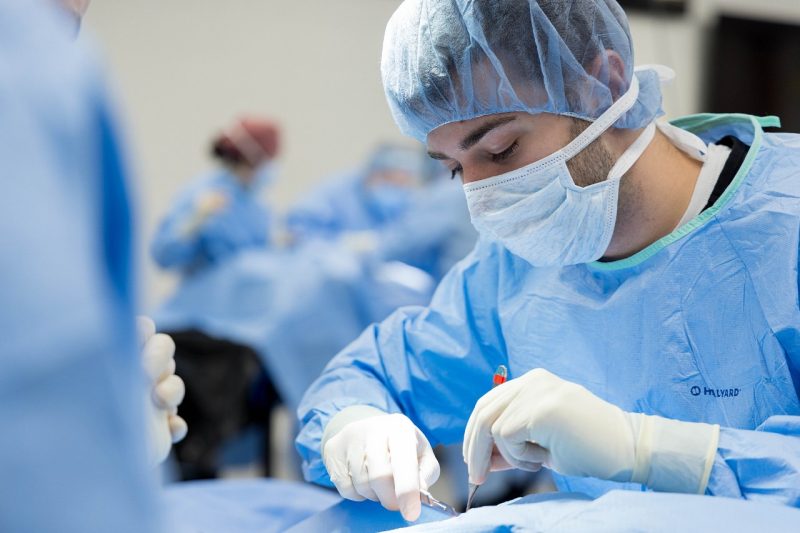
(633, 153)
(605, 121)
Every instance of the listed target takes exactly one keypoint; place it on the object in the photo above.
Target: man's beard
(593, 164)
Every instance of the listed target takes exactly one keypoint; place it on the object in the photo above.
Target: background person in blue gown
(258, 328)
(396, 207)
(364, 199)
(221, 215)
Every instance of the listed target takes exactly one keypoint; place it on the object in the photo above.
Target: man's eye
(505, 154)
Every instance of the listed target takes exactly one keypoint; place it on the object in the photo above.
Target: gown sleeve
(421, 361)
(762, 464)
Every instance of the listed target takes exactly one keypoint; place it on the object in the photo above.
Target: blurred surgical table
(264, 505)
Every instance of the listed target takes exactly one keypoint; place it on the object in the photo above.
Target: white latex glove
(165, 390)
(541, 419)
(380, 457)
(206, 206)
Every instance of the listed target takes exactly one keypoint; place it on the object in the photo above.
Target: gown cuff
(675, 456)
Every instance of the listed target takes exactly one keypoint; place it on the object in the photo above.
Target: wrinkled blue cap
(414, 161)
(450, 60)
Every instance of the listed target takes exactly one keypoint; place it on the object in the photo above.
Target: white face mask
(541, 215)
(265, 175)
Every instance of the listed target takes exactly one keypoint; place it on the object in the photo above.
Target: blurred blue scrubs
(296, 309)
(702, 325)
(71, 453)
(344, 204)
(367, 198)
(242, 224)
(433, 234)
(253, 300)
(425, 226)
(243, 505)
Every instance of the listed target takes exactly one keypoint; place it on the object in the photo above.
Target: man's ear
(612, 62)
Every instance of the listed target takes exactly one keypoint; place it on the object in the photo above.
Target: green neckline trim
(698, 124)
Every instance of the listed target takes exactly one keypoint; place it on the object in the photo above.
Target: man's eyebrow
(480, 132)
(475, 136)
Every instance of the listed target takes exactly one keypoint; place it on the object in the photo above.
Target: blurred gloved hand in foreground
(165, 390)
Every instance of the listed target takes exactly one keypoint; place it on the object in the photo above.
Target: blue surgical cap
(450, 60)
(414, 161)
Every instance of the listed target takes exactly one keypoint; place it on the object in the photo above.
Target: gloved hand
(205, 206)
(165, 390)
(360, 242)
(541, 419)
(210, 203)
(381, 457)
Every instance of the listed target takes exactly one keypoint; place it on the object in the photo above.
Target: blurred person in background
(254, 331)
(366, 198)
(220, 214)
(78, 444)
(216, 218)
(394, 208)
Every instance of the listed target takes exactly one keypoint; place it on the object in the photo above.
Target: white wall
(185, 67)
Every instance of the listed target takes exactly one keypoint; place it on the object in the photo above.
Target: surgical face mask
(388, 200)
(265, 175)
(541, 215)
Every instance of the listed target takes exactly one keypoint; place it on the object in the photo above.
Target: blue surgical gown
(241, 225)
(703, 325)
(71, 384)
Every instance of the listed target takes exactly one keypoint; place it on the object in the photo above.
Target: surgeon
(220, 215)
(638, 279)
